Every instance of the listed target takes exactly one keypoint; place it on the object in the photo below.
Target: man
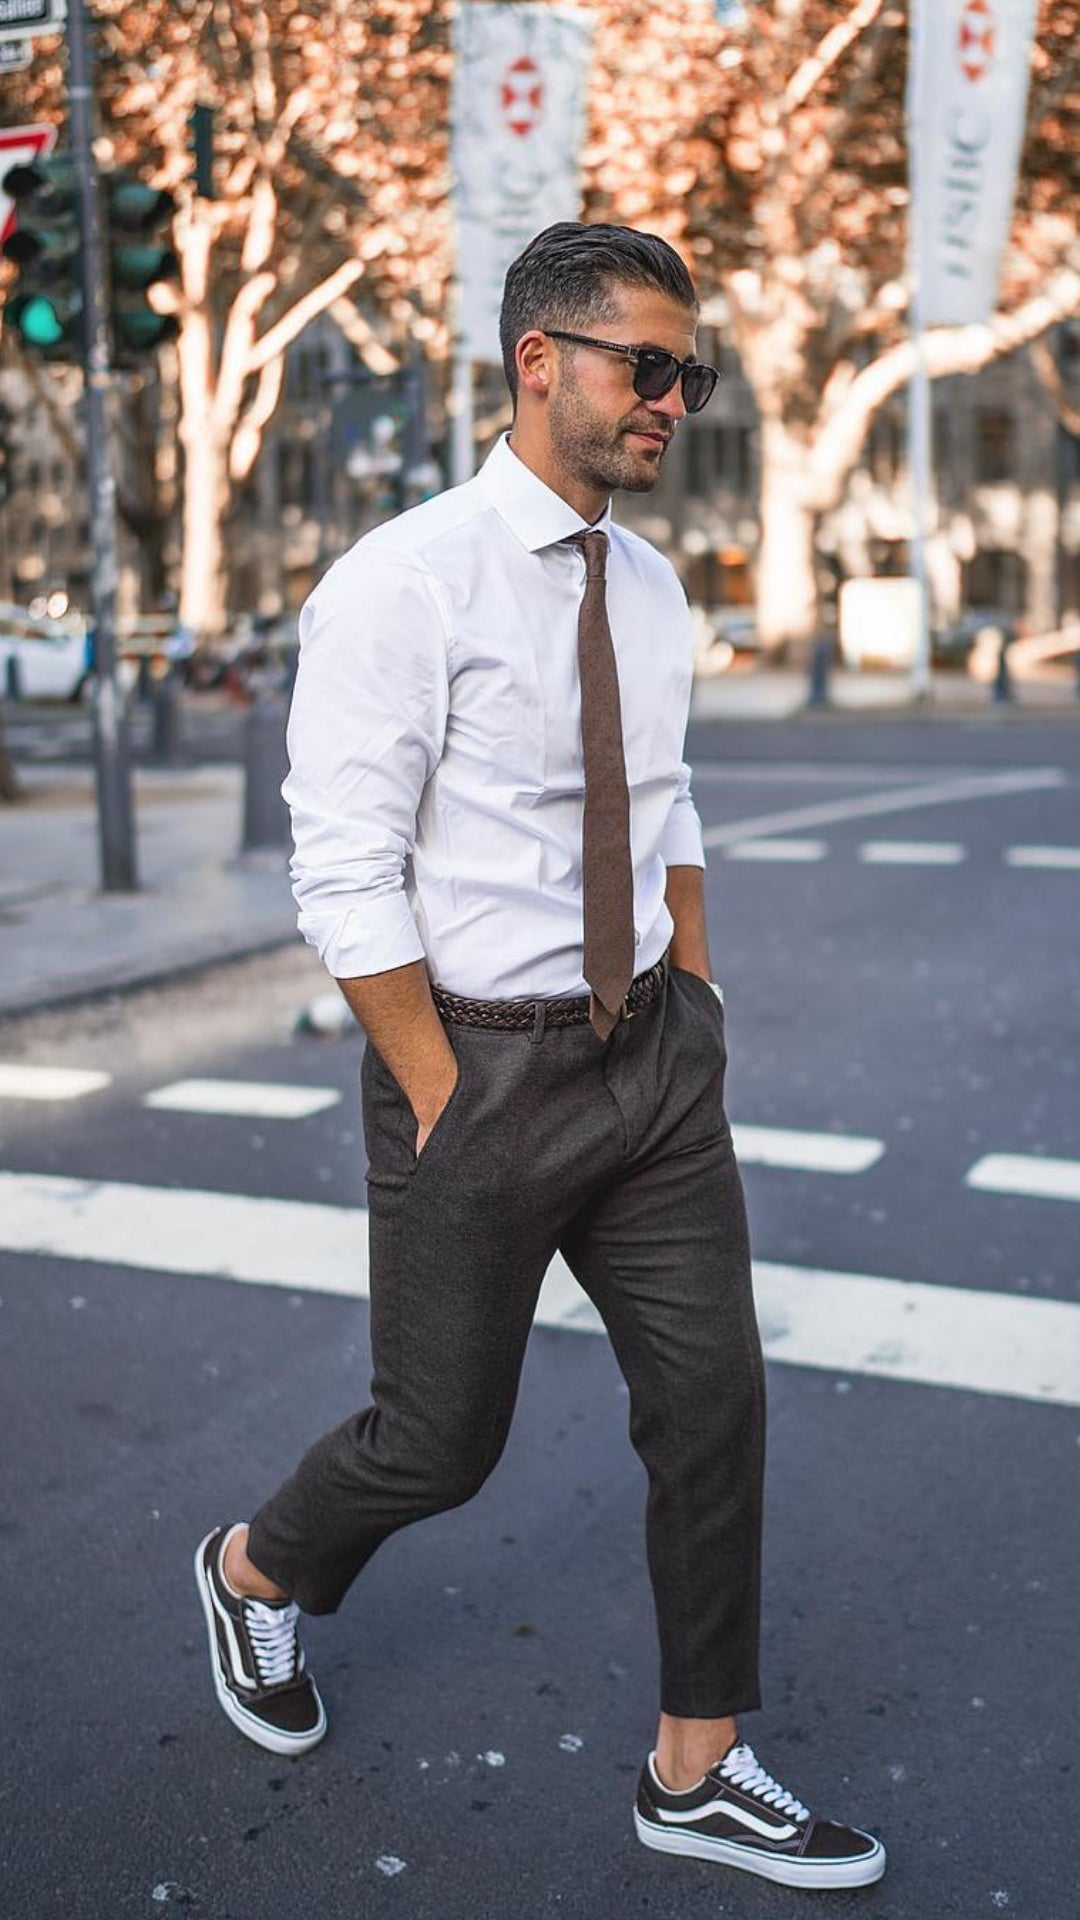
(498, 858)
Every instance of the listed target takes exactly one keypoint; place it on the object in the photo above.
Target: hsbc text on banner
(967, 100)
(518, 123)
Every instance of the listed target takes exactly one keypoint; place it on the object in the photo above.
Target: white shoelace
(742, 1769)
(272, 1631)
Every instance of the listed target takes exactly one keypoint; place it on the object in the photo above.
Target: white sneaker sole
(861, 1871)
(272, 1738)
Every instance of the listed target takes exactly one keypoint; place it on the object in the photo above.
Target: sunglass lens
(655, 374)
(697, 387)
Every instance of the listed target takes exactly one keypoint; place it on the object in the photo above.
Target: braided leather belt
(523, 1016)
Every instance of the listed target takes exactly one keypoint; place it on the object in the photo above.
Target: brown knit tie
(607, 871)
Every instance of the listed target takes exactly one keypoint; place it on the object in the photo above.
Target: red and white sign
(19, 147)
(518, 124)
(522, 96)
(967, 100)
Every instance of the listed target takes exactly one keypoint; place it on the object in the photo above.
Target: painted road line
(912, 853)
(776, 850)
(991, 1343)
(19, 1082)
(806, 1152)
(938, 793)
(1061, 859)
(1028, 1174)
(245, 1099)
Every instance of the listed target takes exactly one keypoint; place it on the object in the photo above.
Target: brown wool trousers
(618, 1153)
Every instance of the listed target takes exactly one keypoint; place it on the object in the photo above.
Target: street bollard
(1003, 686)
(266, 817)
(818, 692)
(165, 720)
(13, 677)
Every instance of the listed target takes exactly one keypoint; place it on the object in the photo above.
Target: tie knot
(594, 547)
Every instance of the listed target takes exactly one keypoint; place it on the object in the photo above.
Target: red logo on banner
(977, 39)
(522, 95)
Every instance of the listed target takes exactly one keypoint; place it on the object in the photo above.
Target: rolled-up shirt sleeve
(681, 844)
(366, 731)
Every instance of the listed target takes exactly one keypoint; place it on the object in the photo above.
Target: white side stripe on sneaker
(767, 1829)
(236, 1658)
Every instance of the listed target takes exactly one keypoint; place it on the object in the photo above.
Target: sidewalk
(748, 693)
(198, 900)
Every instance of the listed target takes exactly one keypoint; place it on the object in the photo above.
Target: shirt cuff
(681, 844)
(372, 938)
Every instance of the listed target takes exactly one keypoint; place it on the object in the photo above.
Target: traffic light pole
(116, 823)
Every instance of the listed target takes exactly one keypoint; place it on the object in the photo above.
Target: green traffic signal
(137, 262)
(46, 307)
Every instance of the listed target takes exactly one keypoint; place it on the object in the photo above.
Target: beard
(597, 451)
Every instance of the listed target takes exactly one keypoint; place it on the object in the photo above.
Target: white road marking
(857, 1323)
(247, 1099)
(912, 853)
(1063, 859)
(808, 1152)
(19, 1082)
(1028, 1174)
(938, 793)
(776, 850)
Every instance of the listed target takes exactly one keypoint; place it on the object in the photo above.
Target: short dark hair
(567, 278)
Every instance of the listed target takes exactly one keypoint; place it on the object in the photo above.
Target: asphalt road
(921, 1615)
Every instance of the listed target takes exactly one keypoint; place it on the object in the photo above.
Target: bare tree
(329, 130)
(772, 151)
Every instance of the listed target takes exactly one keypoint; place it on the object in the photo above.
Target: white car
(51, 656)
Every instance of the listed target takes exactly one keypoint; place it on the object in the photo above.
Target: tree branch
(247, 439)
(827, 53)
(948, 350)
(1053, 386)
(292, 323)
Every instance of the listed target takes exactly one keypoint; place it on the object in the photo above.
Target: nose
(672, 406)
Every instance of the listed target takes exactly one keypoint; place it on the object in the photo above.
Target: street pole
(920, 455)
(462, 421)
(116, 826)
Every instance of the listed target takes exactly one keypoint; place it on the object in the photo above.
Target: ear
(535, 364)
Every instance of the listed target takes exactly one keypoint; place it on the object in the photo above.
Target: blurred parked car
(42, 658)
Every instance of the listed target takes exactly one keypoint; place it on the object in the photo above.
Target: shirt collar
(538, 517)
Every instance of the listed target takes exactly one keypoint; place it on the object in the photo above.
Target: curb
(99, 985)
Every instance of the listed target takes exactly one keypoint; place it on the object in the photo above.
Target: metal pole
(920, 458)
(462, 422)
(116, 826)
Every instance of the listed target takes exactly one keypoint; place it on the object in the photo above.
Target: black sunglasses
(655, 372)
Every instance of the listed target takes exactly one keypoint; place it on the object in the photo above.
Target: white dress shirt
(437, 781)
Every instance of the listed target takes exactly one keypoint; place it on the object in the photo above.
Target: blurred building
(346, 450)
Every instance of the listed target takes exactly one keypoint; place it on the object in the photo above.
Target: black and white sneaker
(739, 1815)
(256, 1660)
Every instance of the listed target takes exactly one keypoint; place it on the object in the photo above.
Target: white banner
(517, 126)
(967, 98)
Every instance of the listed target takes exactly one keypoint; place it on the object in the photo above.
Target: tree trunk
(787, 595)
(203, 601)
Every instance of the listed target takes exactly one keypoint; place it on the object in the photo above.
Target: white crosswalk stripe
(777, 850)
(1063, 859)
(942, 1336)
(1032, 1175)
(807, 1152)
(912, 853)
(243, 1099)
(22, 1082)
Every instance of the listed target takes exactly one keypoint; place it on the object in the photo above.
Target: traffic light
(138, 219)
(46, 308)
